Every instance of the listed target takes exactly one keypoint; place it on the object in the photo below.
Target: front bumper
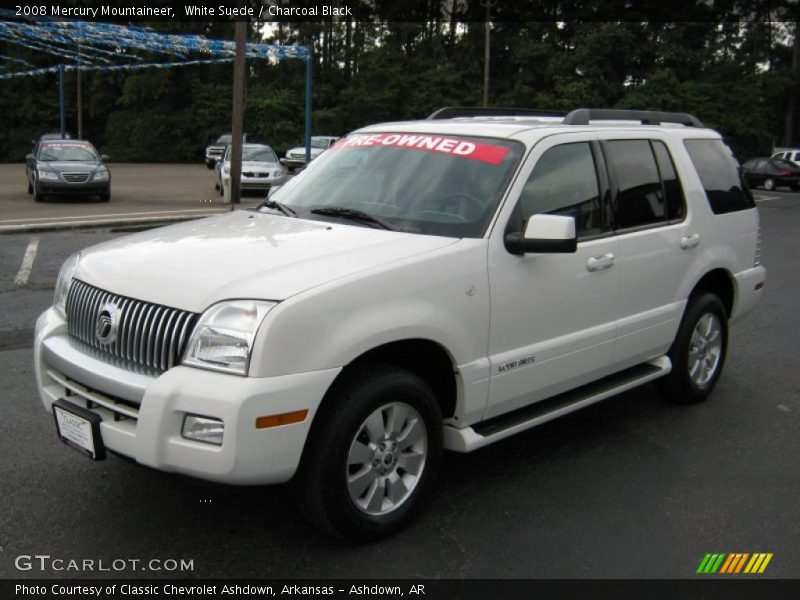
(142, 414)
(256, 183)
(295, 163)
(60, 188)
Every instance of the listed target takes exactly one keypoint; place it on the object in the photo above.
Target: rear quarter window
(719, 172)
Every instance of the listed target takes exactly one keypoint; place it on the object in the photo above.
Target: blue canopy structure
(111, 47)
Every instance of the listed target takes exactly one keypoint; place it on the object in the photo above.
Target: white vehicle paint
(508, 324)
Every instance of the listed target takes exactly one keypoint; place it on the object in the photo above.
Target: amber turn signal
(296, 416)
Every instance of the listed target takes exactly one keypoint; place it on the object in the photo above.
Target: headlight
(223, 338)
(47, 175)
(226, 168)
(63, 282)
(101, 174)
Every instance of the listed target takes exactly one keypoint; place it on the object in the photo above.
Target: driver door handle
(600, 262)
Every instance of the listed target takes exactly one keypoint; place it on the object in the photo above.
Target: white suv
(423, 285)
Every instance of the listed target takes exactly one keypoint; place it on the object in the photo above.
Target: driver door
(553, 315)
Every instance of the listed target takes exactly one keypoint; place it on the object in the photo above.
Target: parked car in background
(215, 150)
(261, 169)
(67, 167)
(296, 157)
(790, 154)
(771, 173)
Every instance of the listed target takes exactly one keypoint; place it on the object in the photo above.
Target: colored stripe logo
(734, 563)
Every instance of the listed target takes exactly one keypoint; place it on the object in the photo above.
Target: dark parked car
(67, 167)
(771, 173)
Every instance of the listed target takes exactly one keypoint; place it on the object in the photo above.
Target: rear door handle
(690, 241)
(600, 262)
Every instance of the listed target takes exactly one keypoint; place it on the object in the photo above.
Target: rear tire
(698, 352)
(30, 188)
(769, 184)
(371, 454)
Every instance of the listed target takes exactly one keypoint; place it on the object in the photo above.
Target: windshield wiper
(352, 214)
(287, 210)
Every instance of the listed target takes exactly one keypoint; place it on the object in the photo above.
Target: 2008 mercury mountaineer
(423, 285)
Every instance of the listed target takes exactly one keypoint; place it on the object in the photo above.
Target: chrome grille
(148, 334)
(75, 177)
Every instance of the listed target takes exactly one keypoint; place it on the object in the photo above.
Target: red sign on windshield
(440, 144)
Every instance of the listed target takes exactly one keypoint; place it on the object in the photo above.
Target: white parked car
(429, 285)
(261, 169)
(296, 157)
(790, 154)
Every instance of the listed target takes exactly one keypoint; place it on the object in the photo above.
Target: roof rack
(582, 116)
(452, 112)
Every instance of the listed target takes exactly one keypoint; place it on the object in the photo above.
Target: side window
(564, 182)
(760, 165)
(673, 190)
(639, 198)
(719, 173)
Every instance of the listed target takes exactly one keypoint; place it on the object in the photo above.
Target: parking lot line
(27, 262)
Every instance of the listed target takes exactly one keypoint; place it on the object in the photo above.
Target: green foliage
(736, 76)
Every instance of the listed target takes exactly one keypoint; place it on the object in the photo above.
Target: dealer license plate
(79, 429)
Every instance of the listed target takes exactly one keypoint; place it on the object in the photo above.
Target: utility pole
(237, 125)
(80, 96)
(61, 101)
(486, 48)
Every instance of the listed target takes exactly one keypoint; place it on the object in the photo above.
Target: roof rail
(582, 116)
(452, 112)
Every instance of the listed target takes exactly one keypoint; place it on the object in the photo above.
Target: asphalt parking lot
(629, 488)
(139, 193)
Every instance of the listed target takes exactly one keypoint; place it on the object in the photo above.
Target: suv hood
(241, 255)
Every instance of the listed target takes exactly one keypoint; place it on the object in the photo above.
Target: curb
(101, 223)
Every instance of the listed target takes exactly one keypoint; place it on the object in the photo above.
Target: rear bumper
(749, 287)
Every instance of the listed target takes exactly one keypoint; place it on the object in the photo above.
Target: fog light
(203, 429)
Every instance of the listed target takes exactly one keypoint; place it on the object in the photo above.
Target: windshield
(259, 155)
(428, 184)
(320, 142)
(224, 139)
(51, 151)
(254, 154)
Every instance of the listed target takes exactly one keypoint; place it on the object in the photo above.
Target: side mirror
(29, 157)
(104, 157)
(546, 234)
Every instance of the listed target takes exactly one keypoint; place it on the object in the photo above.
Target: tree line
(738, 75)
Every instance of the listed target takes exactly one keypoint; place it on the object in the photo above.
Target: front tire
(371, 454)
(37, 194)
(698, 352)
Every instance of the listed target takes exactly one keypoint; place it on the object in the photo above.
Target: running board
(497, 428)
